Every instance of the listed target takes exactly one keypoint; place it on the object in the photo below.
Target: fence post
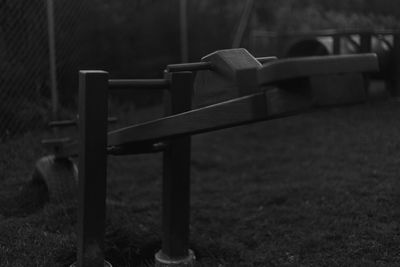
(52, 59)
(93, 86)
(176, 182)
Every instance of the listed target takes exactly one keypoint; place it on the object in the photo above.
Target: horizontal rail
(63, 123)
(196, 66)
(67, 123)
(69, 148)
(56, 141)
(142, 148)
(155, 84)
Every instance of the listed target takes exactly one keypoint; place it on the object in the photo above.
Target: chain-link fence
(26, 88)
(128, 38)
(85, 34)
(23, 66)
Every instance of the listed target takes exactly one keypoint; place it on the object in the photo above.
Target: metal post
(176, 182)
(365, 43)
(93, 86)
(52, 59)
(336, 44)
(366, 47)
(184, 31)
(244, 20)
(395, 73)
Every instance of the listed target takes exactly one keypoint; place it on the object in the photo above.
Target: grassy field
(318, 189)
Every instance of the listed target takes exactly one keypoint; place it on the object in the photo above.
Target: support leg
(176, 183)
(93, 86)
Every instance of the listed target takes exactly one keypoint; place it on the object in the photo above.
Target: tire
(60, 176)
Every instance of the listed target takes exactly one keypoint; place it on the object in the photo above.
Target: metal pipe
(52, 58)
(139, 84)
(244, 20)
(184, 31)
(66, 123)
(196, 66)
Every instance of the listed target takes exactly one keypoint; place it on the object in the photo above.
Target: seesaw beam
(148, 137)
(291, 68)
(270, 104)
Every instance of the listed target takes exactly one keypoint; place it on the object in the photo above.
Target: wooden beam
(231, 113)
(292, 68)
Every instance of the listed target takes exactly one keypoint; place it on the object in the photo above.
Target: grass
(318, 189)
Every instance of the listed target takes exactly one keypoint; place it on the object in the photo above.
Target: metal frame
(93, 95)
(172, 136)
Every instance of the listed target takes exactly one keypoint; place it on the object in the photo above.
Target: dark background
(137, 39)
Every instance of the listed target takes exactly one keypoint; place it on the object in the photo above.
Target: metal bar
(244, 20)
(264, 60)
(52, 59)
(336, 45)
(365, 43)
(67, 123)
(354, 43)
(183, 31)
(93, 87)
(176, 179)
(142, 148)
(196, 66)
(139, 84)
(395, 75)
(64, 123)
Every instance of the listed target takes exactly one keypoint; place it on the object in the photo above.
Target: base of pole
(106, 264)
(162, 260)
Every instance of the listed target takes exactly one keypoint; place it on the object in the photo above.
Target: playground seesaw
(272, 100)
(277, 88)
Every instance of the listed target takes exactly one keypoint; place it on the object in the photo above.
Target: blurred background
(43, 44)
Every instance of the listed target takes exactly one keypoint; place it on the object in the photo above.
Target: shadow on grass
(28, 199)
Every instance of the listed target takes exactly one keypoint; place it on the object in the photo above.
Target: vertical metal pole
(395, 79)
(176, 182)
(52, 59)
(336, 44)
(244, 20)
(365, 43)
(93, 86)
(183, 31)
(366, 47)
